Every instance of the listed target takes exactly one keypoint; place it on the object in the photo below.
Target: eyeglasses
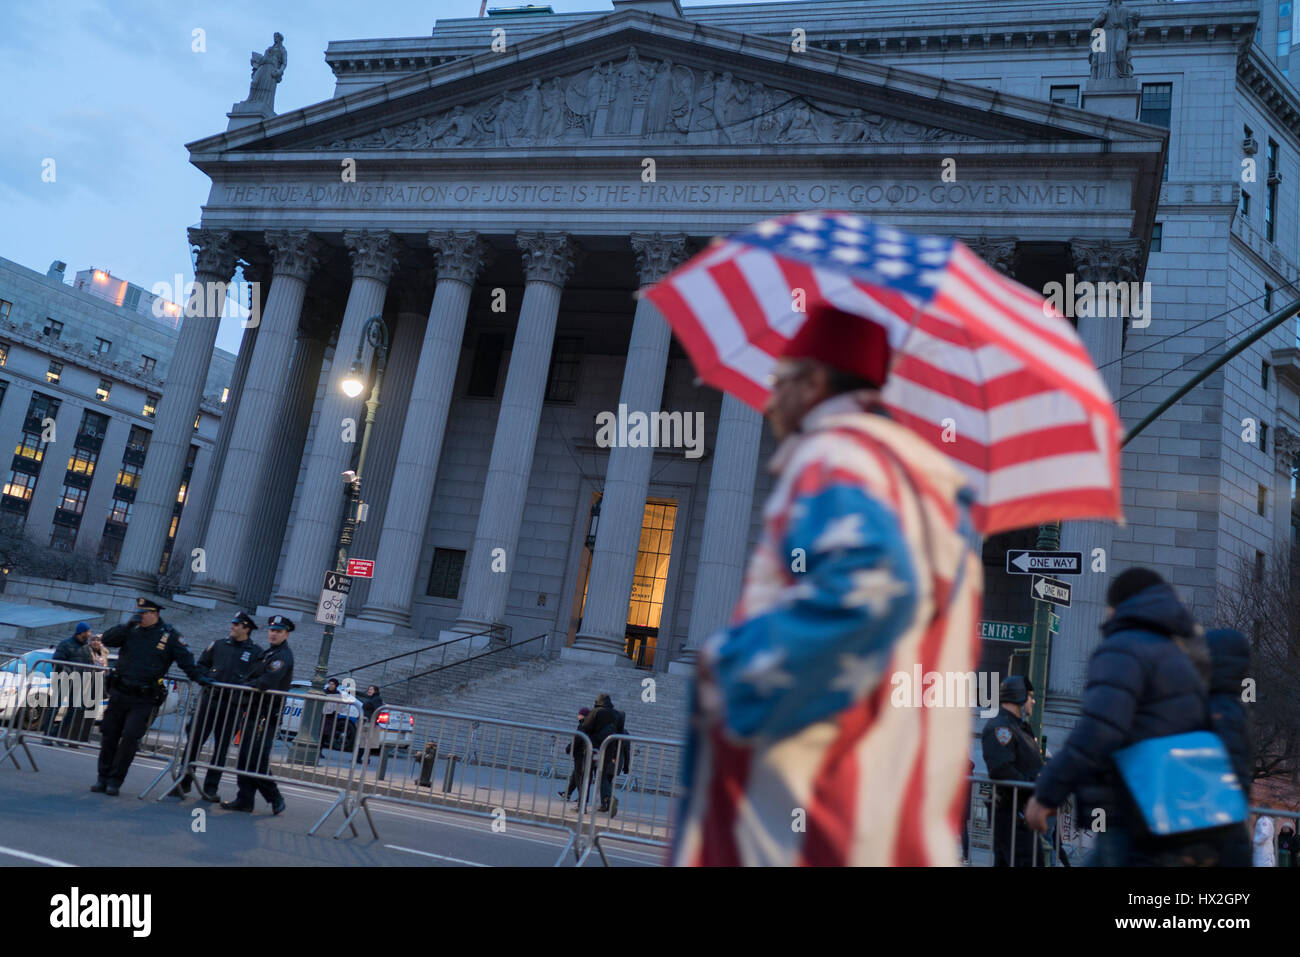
(775, 381)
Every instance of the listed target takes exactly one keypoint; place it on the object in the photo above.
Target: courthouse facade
(497, 191)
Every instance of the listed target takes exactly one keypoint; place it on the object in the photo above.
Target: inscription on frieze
(713, 195)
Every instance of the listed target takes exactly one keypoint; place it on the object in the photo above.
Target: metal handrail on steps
(495, 632)
(446, 666)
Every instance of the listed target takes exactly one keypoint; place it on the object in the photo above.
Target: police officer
(229, 661)
(149, 646)
(1011, 754)
(272, 672)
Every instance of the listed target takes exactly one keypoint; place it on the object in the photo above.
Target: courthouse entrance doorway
(649, 582)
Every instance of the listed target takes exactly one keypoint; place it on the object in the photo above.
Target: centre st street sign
(333, 598)
(1021, 561)
(1050, 590)
(1005, 631)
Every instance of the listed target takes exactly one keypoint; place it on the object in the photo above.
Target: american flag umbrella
(982, 368)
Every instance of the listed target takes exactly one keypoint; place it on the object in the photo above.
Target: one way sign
(1025, 562)
(1045, 589)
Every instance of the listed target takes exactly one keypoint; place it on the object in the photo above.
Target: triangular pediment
(630, 79)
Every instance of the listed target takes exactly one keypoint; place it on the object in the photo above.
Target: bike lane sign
(333, 598)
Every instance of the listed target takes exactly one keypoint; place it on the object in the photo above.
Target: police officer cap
(1015, 689)
(147, 604)
(279, 621)
(243, 619)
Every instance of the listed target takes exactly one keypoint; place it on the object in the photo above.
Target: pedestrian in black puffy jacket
(1229, 666)
(603, 722)
(1141, 684)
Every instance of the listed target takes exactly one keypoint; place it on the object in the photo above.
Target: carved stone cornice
(548, 257)
(999, 252)
(218, 250)
(295, 252)
(1107, 260)
(658, 254)
(1286, 446)
(460, 254)
(373, 253)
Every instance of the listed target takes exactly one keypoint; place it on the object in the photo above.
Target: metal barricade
(492, 769)
(641, 805)
(13, 697)
(994, 812)
(236, 730)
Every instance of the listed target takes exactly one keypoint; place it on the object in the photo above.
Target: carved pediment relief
(646, 101)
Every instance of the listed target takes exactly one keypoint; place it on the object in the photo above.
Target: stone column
(280, 477)
(231, 532)
(1094, 261)
(460, 257)
(627, 476)
(187, 372)
(260, 273)
(549, 259)
(314, 536)
(727, 517)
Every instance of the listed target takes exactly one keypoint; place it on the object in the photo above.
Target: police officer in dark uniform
(272, 672)
(1011, 754)
(229, 661)
(149, 646)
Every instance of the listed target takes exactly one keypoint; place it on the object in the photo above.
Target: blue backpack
(1182, 783)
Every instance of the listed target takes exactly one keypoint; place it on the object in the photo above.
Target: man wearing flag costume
(798, 753)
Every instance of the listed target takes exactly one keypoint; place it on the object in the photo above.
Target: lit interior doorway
(649, 581)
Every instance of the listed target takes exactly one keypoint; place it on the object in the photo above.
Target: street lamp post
(375, 333)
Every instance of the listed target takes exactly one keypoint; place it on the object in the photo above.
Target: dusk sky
(112, 92)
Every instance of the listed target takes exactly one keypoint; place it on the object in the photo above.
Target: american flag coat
(866, 569)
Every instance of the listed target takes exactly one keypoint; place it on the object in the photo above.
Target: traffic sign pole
(1040, 646)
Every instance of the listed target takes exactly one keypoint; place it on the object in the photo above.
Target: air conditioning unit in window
(1250, 146)
(1274, 179)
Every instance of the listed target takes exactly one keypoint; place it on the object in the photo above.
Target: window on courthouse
(4, 353)
(102, 346)
(150, 406)
(53, 328)
(147, 364)
(487, 365)
(1157, 108)
(54, 373)
(20, 485)
(445, 573)
(1065, 95)
(1157, 237)
(104, 390)
(5, 306)
(566, 362)
(1244, 206)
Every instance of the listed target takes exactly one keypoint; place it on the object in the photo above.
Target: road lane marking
(35, 858)
(441, 857)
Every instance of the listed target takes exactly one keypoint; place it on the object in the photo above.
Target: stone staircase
(550, 692)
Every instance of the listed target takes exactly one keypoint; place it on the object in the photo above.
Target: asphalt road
(51, 818)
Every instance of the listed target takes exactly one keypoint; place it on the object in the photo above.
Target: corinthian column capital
(217, 251)
(999, 252)
(1106, 260)
(459, 254)
(295, 252)
(373, 252)
(658, 254)
(548, 257)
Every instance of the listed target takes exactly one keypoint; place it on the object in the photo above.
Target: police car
(395, 728)
(38, 666)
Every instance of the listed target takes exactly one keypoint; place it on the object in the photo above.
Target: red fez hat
(849, 343)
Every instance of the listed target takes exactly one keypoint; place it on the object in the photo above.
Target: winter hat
(584, 711)
(1015, 688)
(846, 342)
(81, 626)
(1129, 582)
